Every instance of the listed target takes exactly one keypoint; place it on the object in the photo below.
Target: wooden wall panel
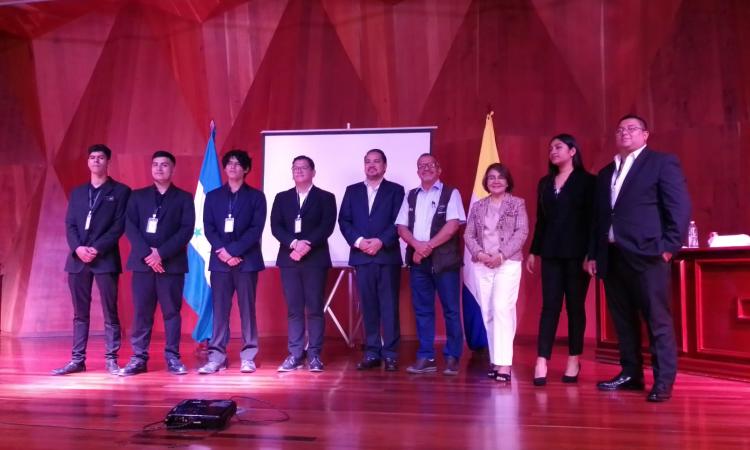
(142, 75)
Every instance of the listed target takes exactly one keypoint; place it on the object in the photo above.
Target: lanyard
(159, 202)
(233, 200)
(92, 202)
(300, 206)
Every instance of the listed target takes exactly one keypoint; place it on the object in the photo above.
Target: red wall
(144, 75)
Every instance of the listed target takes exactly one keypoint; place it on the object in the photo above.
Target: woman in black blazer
(563, 225)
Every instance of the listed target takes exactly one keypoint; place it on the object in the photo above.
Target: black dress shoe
(176, 367)
(621, 382)
(368, 362)
(391, 365)
(134, 367)
(71, 367)
(660, 393)
(572, 379)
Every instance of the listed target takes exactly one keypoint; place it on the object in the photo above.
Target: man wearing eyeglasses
(642, 214)
(302, 220)
(428, 222)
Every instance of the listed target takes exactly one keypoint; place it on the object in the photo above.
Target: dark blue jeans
(424, 283)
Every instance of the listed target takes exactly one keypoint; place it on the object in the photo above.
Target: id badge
(229, 224)
(151, 225)
(298, 225)
(88, 221)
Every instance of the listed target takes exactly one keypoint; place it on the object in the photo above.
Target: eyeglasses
(424, 166)
(300, 168)
(630, 130)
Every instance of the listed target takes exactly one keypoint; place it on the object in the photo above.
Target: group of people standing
(622, 226)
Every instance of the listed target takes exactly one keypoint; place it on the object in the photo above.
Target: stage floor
(344, 408)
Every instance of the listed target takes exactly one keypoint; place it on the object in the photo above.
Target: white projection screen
(339, 162)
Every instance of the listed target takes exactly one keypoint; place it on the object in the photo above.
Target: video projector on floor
(204, 414)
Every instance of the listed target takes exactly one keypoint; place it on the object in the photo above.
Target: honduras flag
(197, 282)
(476, 335)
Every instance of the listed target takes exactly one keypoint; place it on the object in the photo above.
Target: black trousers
(223, 287)
(562, 278)
(148, 288)
(632, 293)
(378, 286)
(80, 285)
(304, 292)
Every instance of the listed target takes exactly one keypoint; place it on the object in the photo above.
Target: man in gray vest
(428, 222)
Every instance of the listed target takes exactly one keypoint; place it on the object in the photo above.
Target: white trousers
(497, 293)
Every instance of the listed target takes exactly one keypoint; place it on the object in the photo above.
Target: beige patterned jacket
(513, 227)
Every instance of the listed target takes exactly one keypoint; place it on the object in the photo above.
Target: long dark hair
(570, 141)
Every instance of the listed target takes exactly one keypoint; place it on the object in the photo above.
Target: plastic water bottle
(693, 235)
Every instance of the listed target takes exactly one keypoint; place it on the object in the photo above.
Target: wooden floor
(343, 408)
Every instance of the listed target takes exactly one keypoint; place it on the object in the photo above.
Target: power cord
(282, 415)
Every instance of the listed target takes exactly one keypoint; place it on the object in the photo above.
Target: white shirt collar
(374, 187)
(633, 155)
(437, 186)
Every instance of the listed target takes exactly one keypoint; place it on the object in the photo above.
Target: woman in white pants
(496, 230)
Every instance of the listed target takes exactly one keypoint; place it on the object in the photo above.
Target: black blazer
(249, 213)
(318, 220)
(563, 221)
(173, 232)
(356, 221)
(651, 214)
(106, 227)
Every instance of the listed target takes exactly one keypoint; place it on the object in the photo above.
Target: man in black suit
(94, 223)
(642, 210)
(368, 222)
(233, 220)
(302, 219)
(159, 224)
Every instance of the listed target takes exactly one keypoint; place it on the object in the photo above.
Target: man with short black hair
(642, 210)
(233, 220)
(367, 221)
(94, 222)
(302, 220)
(159, 225)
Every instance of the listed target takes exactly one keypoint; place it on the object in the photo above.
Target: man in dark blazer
(159, 224)
(368, 222)
(642, 210)
(94, 223)
(233, 220)
(302, 219)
